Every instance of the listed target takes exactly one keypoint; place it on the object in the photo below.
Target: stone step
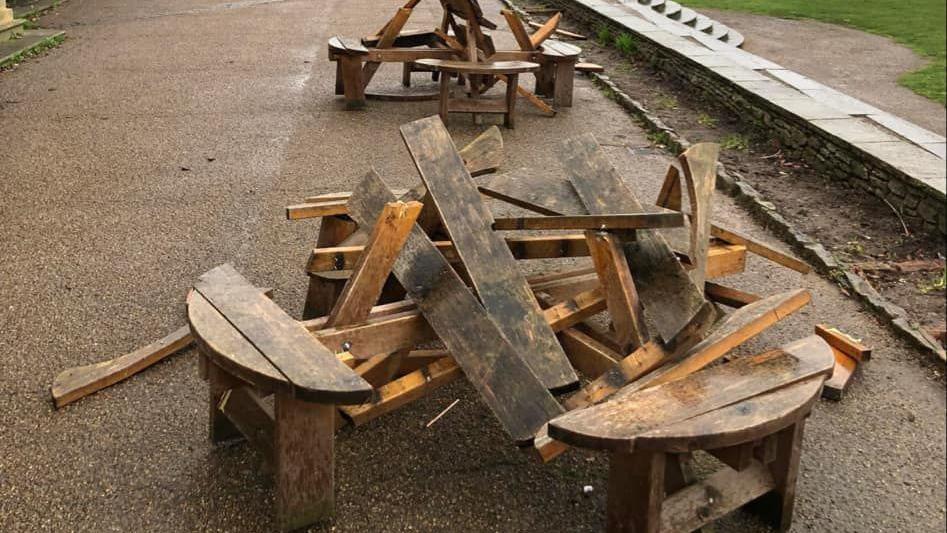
(704, 24)
(734, 38)
(688, 16)
(28, 40)
(11, 30)
(719, 32)
(671, 9)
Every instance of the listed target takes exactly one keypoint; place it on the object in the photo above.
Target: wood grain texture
(576, 309)
(485, 153)
(314, 372)
(699, 164)
(616, 424)
(506, 384)
(545, 31)
(78, 382)
(729, 296)
(368, 277)
(760, 249)
(245, 410)
(624, 305)
(671, 299)
(664, 219)
(492, 268)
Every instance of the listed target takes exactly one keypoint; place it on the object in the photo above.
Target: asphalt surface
(164, 138)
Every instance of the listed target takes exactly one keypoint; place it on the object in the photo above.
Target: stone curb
(766, 213)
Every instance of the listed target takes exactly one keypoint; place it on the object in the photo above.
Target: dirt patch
(857, 63)
(861, 230)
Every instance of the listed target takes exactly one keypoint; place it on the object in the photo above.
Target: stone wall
(922, 205)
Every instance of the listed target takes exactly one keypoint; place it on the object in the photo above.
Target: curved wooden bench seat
(557, 77)
(343, 46)
(557, 49)
(469, 67)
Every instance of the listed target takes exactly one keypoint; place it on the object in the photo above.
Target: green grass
(919, 24)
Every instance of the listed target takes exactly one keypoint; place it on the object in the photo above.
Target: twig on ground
(900, 218)
(444, 412)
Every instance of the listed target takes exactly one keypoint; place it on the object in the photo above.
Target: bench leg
(545, 78)
(304, 462)
(352, 82)
(325, 289)
(406, 74)
(511, 85)
(778, 505)
(635, 492)
(444, 104)
(339, 81)
(219, 381)
(562, 88)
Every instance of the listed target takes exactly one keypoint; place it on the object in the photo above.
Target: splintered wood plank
(699, 163)
(506, 384)
(364, 286)
(614, 425)
(624, 306)
(485, 153)
(314, 372)
(670, 298)
(492, 268)
(76, 383)
(735, 329)
(665, 219)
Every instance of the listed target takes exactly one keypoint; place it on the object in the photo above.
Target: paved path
(104, 230)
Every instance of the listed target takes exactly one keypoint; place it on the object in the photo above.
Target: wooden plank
(666, 219)
(735, 329)
(405, 390)
(364, 286)
(314, 371)
(670, 298)
(377, 335)
(545, 31)
(379, 369)
(518, 30)
(587, 355)
(759, 248)
(392, 29)
(530, 97)
(507, 386)
(699, 164)
(305, 462)
(842, 374)
(624, 306)
(728, 295)
(76, 383)
(574, 310)
(691, 508)
(670, 194)
(485, 153)
(635, 492)
(843, 342)
(561, 32)
(589, 68)
(615, 424)
(492, 268)
(324, 208)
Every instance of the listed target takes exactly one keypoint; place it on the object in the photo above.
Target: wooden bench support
(305, 462)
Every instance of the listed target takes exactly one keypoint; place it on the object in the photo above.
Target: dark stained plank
(485, 153)
(665, 219)
(670, 194)
(533, 191)
(729, 296)
(614, 425)
(635, 492)
(671, 299)
(492, 268)
(304, 442)
(574, 310)
(243, 407)
(315, 373)
(506, 384)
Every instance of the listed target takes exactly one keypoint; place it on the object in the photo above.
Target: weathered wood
(843, 342)
(405, 390)
(324, 208)
(670, 298)
(492, 268)
(699, 164)
(574, 310)
(531, 97)
(561, 32)
(485, 153)
(760, 249)
(750, 420)
(587, 355)
(721, 493)
(624, 306)
(219, 382)
(507, 386)
(545, 31)
(778, 507)
(635, 492)
(518, 30)
(614, 425)
(314, 372)
(665, 219)
(728, 295)
(78, 382)
(670, 194)
(377, 334)
(368, 278)
(380, 369)
(305, 462)
(392, 29)
(252, 417)
(842, 374)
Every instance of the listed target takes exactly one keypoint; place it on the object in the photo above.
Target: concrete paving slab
(854, 130)
(908, 130)
(911, 159)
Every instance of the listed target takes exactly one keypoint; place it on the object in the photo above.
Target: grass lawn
(919, 24)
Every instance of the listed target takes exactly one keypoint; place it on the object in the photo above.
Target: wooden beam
(624, 306)
(405, 390)
(324, 208)
(252, 417)
(576, 309)
(666, 219)
(759, 248)
(364, 286)
(545, 31)
(729, 296)
(518, 30)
